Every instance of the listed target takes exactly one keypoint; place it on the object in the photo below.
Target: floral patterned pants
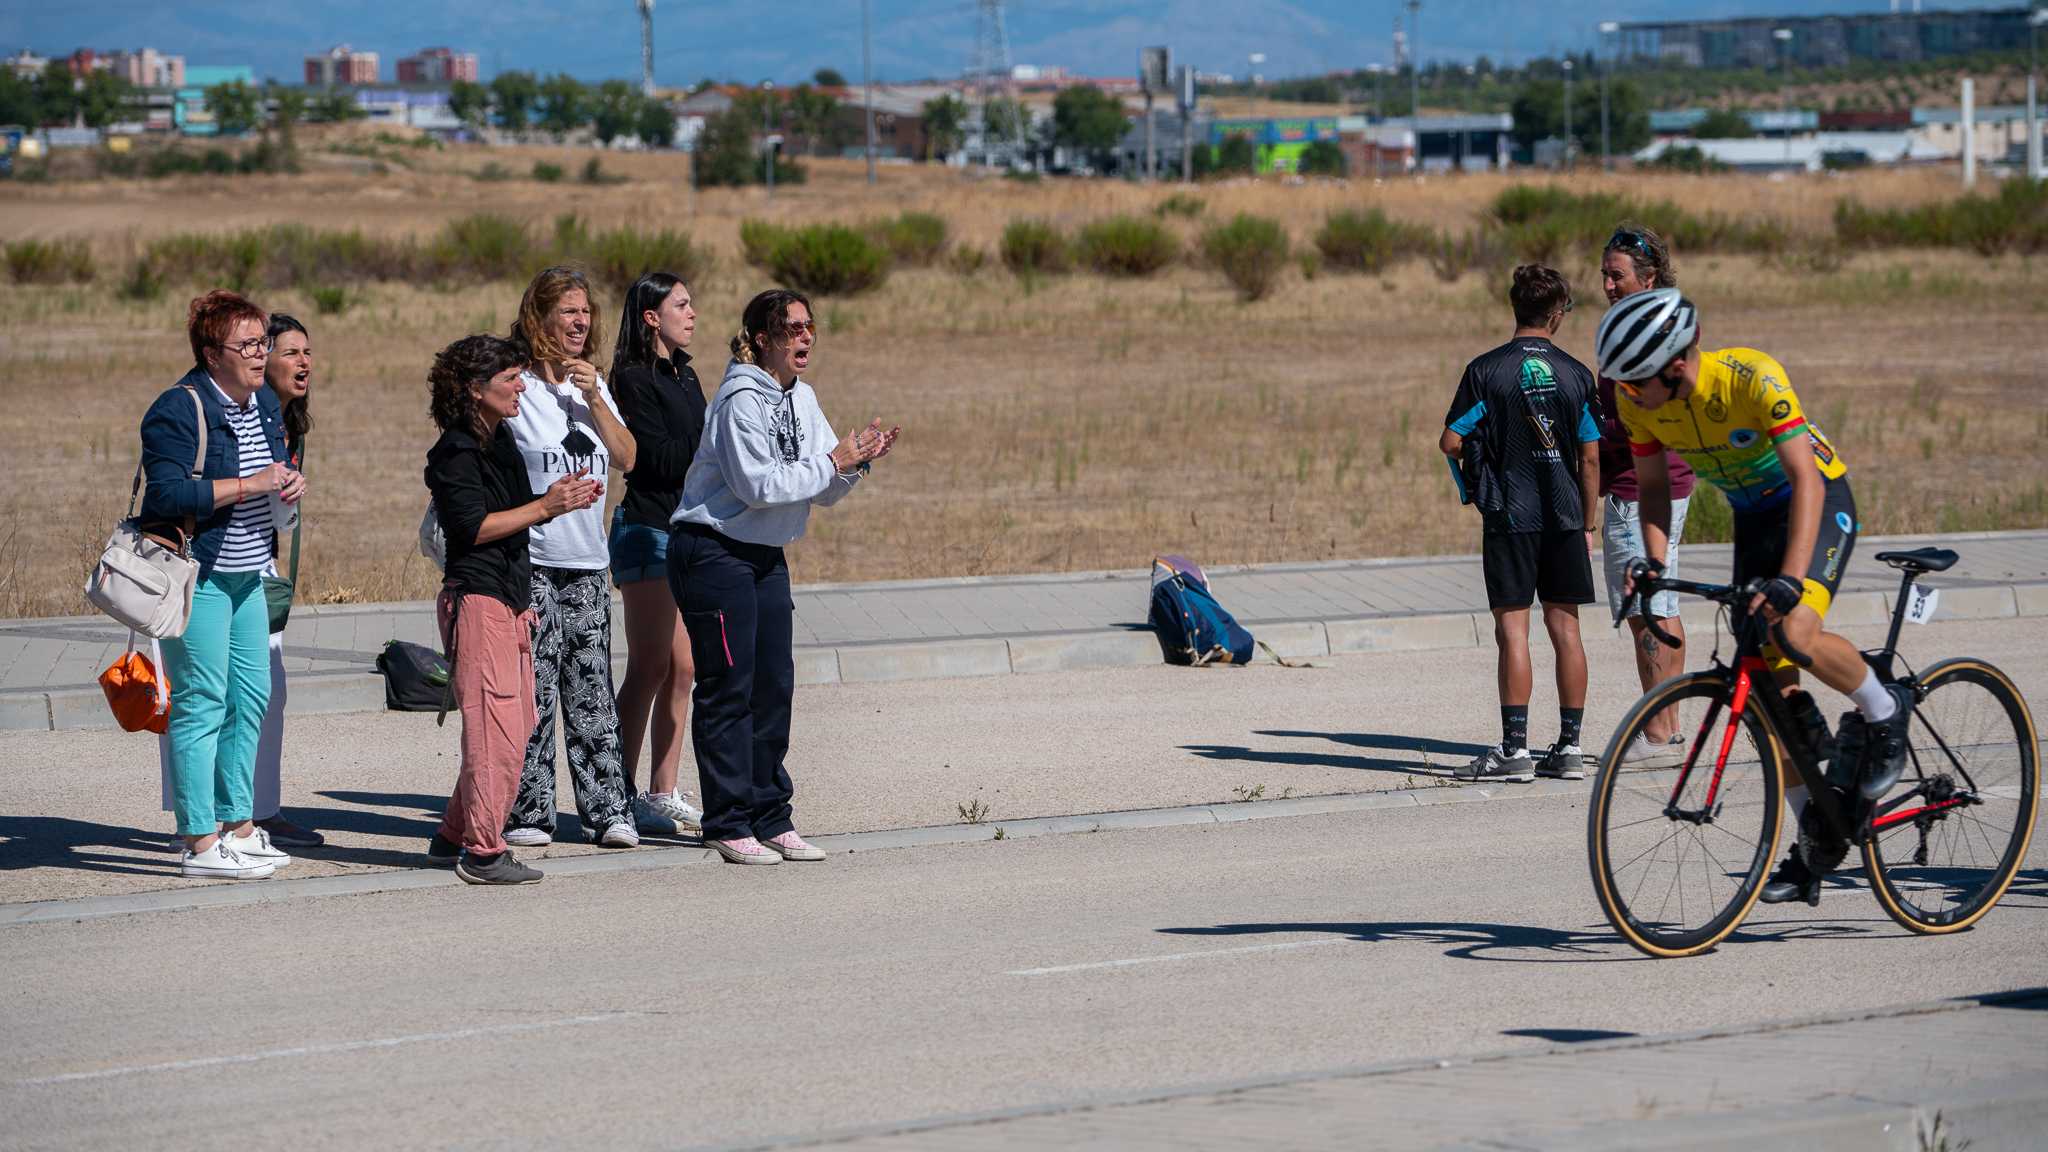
(572, 675)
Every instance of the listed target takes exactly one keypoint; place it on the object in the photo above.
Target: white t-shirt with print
(557, 435)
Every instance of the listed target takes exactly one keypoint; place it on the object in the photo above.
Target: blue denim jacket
(169, 439)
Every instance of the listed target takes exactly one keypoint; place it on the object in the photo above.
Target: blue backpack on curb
(1192, 627)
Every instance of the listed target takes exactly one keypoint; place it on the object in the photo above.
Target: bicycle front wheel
(1950, 836)
(1680, 841)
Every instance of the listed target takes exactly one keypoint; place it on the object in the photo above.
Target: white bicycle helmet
(1644, 332)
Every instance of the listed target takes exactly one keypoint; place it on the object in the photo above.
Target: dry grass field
(1077, 423)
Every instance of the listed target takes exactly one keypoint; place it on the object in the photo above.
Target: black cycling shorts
(1760, 544)
(1522, 565)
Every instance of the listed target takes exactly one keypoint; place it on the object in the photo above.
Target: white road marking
(320, 1049)
(1173, 956)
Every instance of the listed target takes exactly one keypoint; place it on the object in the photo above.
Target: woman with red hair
(220, 501)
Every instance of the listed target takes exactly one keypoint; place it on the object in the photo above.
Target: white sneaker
(666, 813)
(1639, 752)
(620, 835)
(526, 837)
(257, 848)
(221, 862)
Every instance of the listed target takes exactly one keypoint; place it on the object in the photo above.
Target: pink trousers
(493, 672)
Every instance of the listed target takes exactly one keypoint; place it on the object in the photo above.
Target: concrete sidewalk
(904, 630)
(1949, 1074)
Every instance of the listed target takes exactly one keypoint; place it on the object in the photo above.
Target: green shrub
(623, 255)
(1686, 158)
(760, 240)
(913, 238)
(1369, 241)
(1180, 204)
(482, 247)
(1549, 223)
(547, 173)
(1707, 517)
(2015, 219)
(493, 173)
(330, 300)
(1321, 158)
(1034, 248)
(966, 260)
(50, 262)
(144, 282)
(594, 173)
(217, 162)
(1126, 246)
(829, 260)
(1250, 251)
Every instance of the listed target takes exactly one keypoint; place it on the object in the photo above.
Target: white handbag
(145, 581)
(433, 541)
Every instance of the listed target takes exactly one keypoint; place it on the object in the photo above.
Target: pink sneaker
(747, 850)
(795, 847)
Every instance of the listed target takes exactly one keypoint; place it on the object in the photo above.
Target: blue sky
(695, 39)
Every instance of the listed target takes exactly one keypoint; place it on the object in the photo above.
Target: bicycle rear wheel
(1679, 849)
(1960, 819)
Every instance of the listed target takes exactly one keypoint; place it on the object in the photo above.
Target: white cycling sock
(1795, 798)
(1873, 699)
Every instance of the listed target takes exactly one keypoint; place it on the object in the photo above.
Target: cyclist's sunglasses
(1633, 389)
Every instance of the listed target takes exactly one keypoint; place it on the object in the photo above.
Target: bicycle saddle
(1921, 559)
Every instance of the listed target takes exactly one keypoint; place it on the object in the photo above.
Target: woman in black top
(485, 505)
(663, 406)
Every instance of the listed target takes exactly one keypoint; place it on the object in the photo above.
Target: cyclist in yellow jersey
(1733, 418)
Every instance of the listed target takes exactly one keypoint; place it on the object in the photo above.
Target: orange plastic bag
(138, 691)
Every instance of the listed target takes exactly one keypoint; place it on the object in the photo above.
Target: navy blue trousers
(736, 605)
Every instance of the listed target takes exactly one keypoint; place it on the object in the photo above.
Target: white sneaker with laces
(529, 837)
(654, 809)
(256, 847)
(221, 862)
(620, 835)
(1639, 752)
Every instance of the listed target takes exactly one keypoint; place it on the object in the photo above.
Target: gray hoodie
(766, 457)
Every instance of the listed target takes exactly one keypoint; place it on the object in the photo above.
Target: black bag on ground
(415, 677)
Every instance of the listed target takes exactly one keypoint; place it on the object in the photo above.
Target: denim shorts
(639, 551)
(1622, 542)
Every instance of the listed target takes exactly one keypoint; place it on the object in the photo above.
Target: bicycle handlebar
(1647, 584)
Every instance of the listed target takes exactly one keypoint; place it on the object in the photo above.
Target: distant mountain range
(718, 39)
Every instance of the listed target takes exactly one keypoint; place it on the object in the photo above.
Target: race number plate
(1920, 606)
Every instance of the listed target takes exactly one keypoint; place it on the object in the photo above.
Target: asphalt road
(80, 813)
(718, 1004)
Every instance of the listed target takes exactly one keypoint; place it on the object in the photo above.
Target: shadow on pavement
(1310, 759)
(1387, 741)
(1470, 941)
(55, 842)
(1567, 1035)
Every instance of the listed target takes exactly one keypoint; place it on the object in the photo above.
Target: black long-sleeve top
(469, 481)
(663, 407)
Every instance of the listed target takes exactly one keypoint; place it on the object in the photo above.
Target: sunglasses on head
(1623, 238)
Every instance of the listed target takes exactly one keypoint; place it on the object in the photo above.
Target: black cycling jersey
(1531, 407)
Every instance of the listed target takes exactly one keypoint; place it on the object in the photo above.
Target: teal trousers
(220, 687)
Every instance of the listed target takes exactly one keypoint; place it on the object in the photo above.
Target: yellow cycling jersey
(1729, 429)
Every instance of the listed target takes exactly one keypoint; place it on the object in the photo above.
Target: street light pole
(2034, 22)
(1607, 29)
(1415, 71)
(1252, 71)
(1784, 38)
(767, 144)
(867, 83)
(1567, 112)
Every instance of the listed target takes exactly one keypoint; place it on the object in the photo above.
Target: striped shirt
(246, 547)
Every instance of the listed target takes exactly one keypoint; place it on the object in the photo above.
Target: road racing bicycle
(1680, 849)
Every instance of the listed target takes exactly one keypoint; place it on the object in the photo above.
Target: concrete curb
(1847, 1125)
(883, 662)
(647, 859)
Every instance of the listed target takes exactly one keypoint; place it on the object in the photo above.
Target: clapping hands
(864, 445)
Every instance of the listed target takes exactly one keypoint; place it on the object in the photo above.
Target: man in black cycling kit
(1733, 417)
